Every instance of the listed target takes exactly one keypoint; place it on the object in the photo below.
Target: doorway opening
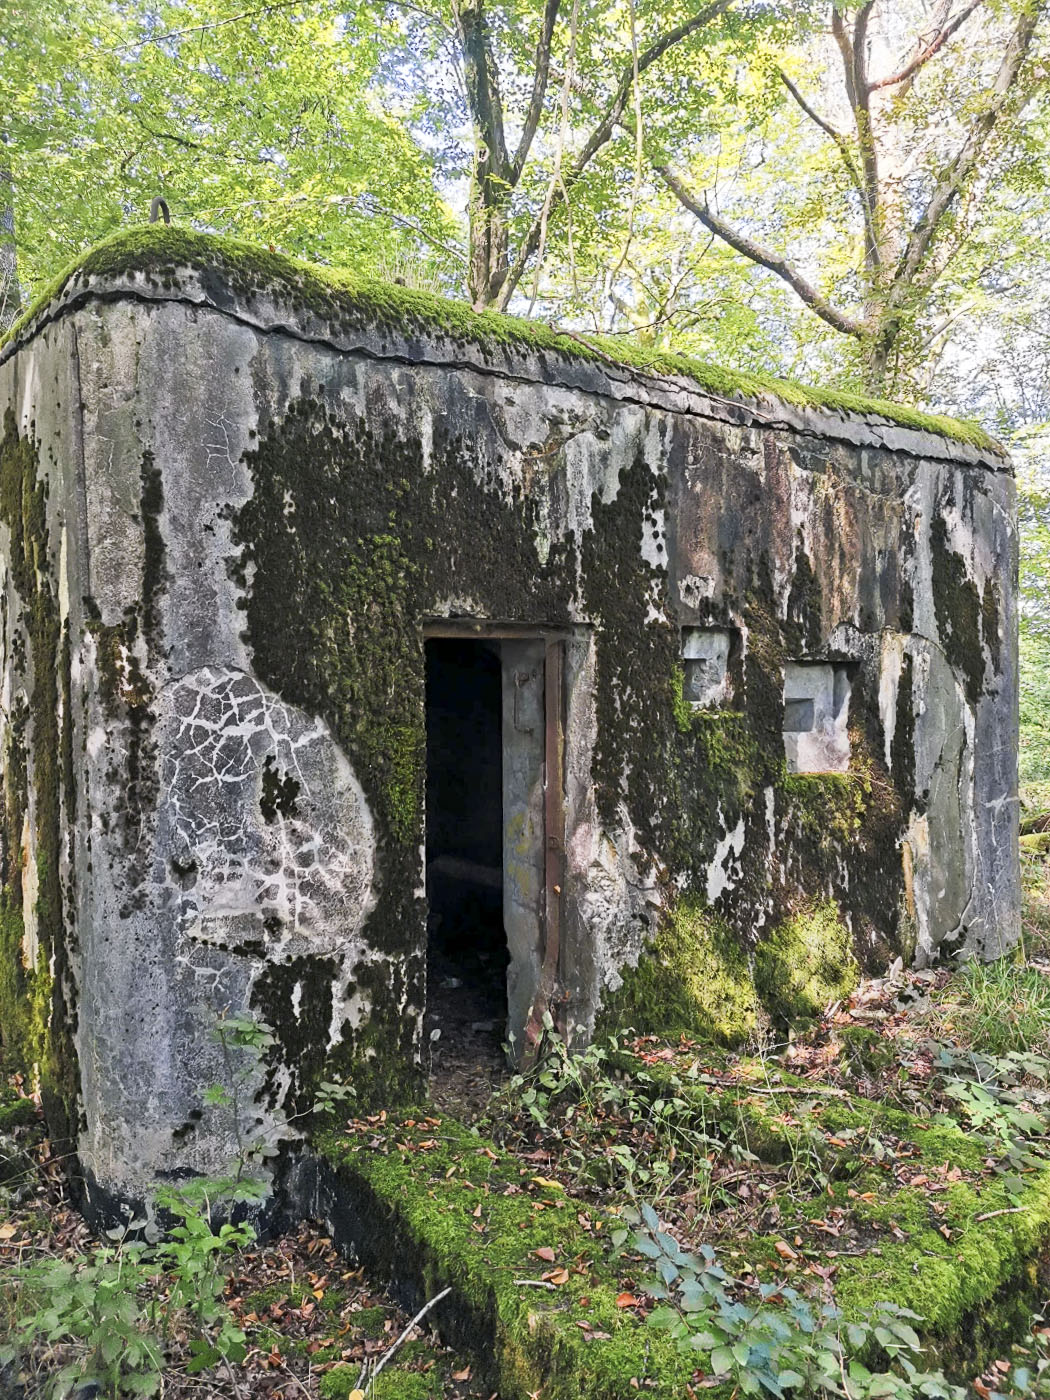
(493, 839)
(467, 952)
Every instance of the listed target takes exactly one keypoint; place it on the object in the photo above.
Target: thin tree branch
(764, 257)
(541, 76)
(924, 56)
(854, 64)
(605, 128)
(840, 141)
(959, 170)
(870, 231)
(201, 28)
(390, 1352)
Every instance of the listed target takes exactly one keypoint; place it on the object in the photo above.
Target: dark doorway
(467, 955)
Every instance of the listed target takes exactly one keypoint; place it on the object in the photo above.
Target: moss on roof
(345, 298)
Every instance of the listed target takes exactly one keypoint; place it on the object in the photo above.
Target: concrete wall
(250, 514)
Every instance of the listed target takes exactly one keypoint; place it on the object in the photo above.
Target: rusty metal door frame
(553, 790)
(553, 838)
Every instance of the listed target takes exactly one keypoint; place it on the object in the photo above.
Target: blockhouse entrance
(492, 823)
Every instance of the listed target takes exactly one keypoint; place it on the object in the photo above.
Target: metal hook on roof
(159, 207)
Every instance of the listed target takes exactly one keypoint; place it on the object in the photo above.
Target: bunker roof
(275, 292)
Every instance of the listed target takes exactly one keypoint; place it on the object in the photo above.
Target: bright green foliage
(780, 1342)
(113, 1316)
(1034, 511)
(973, 1256)
(997, 1008)
(805, 964)
(263, 122)
(15, 1112)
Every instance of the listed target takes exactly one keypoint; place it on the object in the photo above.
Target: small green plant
(1003, 1097)
(615, 1130)
(245, 1040)
(1030, 1378)
(94, 1309)
(115, 1311)
(193, 1255)
(770, 1340)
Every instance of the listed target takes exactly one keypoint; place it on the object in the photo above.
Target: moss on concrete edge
(434, 1205)
(971, 1260)
(337, 295)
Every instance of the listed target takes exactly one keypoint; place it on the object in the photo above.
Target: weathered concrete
(252, 512)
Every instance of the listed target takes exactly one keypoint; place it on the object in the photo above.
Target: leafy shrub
(777, 1342)
(109, 1311)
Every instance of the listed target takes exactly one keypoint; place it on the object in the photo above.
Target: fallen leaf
(545, 1253)
(463, 1375)
(784, 1250)
(546, 1183)
(626, 1300)
(8, 1232)
(557, 1276)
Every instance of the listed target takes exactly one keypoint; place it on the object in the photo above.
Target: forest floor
(972, 1045)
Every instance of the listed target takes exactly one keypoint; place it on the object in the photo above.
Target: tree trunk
(878, 354)
(492, 178)
(10, 292)
(489, 243)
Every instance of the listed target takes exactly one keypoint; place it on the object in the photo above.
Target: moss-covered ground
(342, 298)
(893, 1153)
(804, 1183)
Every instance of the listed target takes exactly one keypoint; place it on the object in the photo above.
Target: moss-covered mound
(806, 964)
(429, 1205)
(536, 1282)
(346, 300)
(694, 975)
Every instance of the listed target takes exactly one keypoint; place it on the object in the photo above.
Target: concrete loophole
(816, 717)
(705, 666)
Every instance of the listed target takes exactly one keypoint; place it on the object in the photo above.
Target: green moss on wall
(336, 296)
(353, 535)
(693, 976)
(958, 608)
(37, 1016)
(16, 1020)
(804, 964)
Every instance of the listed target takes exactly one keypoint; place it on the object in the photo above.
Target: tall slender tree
(496, 267)
(912, 173)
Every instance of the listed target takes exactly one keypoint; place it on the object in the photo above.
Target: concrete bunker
(737, 663)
